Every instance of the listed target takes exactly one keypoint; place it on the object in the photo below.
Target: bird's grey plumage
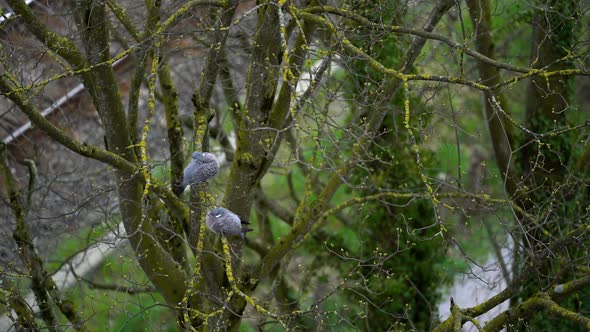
(202, 167)
(223, 221)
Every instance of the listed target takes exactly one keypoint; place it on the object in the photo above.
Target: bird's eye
(218, 215)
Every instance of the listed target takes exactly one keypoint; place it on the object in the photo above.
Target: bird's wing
(216, 226)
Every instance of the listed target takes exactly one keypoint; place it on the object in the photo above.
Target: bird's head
(217, 213)
(204, 157)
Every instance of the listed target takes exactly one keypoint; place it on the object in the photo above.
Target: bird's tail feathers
(246, 229)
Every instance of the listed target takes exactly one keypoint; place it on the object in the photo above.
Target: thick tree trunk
(499, 128)
(162, 270)
(544, 162)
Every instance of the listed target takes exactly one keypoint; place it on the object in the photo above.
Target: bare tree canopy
(376, 151)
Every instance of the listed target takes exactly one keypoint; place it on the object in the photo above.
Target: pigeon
(223, 221)
(202, 167)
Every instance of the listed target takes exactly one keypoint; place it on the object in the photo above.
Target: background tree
(346, 135)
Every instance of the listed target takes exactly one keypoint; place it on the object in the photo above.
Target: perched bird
(223, 221)
(202, 167)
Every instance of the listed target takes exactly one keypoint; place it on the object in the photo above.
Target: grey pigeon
(223, 221)
(202, 167)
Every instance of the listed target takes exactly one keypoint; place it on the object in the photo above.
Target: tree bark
(500, 130)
